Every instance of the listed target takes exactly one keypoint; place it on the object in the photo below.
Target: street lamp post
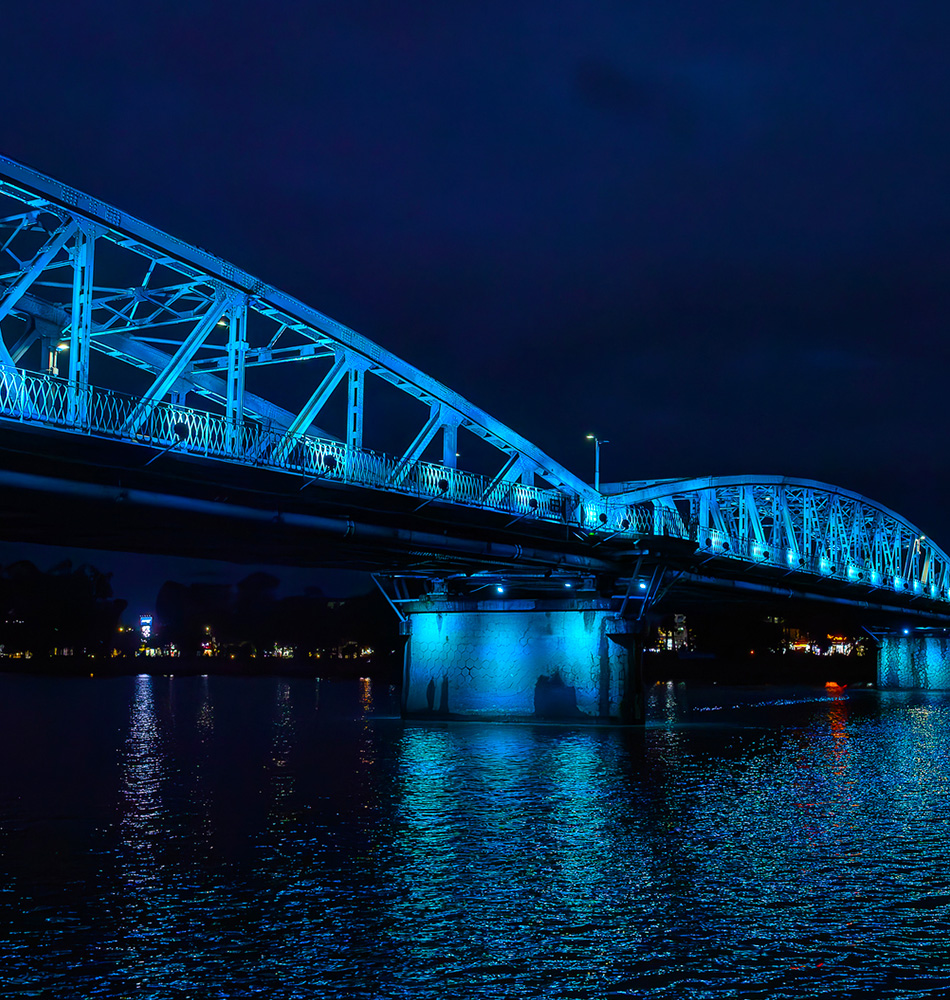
(55, 349)
(597, 444)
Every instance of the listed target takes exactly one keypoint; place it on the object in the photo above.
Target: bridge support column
(915, 661)
(521, 660)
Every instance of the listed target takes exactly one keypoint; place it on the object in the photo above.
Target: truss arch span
(83, 284)
(796, 526)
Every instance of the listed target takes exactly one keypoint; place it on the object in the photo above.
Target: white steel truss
(184, 318)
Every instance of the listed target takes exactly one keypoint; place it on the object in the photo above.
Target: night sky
(716, 234)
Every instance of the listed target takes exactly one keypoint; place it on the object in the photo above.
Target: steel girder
(795, 525)
(183, 315)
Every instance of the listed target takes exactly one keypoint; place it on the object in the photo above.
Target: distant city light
(145, 625)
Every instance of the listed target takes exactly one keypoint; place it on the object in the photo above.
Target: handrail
(52, 401)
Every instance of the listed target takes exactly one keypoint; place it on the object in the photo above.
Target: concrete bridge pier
(521, 660)
(914, 659)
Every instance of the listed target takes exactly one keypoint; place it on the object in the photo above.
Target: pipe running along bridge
(144, 406)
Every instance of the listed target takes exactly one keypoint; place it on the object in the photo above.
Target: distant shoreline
(330, 668)
(765, 668)
(789, 668)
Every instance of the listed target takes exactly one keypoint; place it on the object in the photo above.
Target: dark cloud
(636, 97)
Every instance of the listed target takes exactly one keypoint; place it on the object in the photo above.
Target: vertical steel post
(354, 411)
(237, 349)
(80, 326)
(450, 445)
(597, 443)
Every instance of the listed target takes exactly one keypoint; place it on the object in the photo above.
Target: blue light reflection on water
(232, 838)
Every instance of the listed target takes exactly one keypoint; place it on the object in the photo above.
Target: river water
(224, 837)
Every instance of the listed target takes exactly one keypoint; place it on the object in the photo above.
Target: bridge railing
(26, 397)
(51, 401)
(334, 461)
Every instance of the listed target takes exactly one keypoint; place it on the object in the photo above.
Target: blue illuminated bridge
(146, 405)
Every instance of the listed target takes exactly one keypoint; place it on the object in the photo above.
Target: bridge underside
(118, 496)
(114, 495)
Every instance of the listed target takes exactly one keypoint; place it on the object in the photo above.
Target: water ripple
(164, 837)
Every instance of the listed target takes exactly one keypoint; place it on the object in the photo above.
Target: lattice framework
(195, 325)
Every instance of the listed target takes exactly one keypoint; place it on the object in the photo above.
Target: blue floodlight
(500, 589)
(643, 585)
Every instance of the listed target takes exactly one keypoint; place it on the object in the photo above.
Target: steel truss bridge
(125, 345)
